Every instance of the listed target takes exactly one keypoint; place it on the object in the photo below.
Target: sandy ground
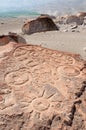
(64, 41)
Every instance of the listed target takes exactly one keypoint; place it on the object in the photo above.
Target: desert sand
(59, 40)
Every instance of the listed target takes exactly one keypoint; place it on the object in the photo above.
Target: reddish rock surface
(11, 37)
(41, 24)
(81, 14)
(41, 89)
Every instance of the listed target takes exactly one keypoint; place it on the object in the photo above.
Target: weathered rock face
(41, 24)
(50, 16)
(41, 89)
(81, 14)
(5, 39)
(76, 19)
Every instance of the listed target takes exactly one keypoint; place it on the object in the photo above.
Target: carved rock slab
(41, 89)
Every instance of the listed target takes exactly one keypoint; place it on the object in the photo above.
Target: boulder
(74, 19)
(41, 89)
(41, 24)
(5, 39)
(81, 14)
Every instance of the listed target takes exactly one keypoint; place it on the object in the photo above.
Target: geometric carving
(42, 89)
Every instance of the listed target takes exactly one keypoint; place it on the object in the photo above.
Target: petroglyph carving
(44, 89)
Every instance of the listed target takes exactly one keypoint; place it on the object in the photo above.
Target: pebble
(84, 49)
(1, 98)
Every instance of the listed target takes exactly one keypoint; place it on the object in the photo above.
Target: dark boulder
(41, 24)
(74, 19)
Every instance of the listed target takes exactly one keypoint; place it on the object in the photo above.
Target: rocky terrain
(41, 89)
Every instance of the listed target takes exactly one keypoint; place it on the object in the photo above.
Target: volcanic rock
(41, 89)
(41, 24)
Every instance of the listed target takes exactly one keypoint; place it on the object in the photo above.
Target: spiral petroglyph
(42, 89)
(17, 78)
(68, 60)
(21, 54)
(69, 71)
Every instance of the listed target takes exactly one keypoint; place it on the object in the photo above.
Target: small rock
(2, 23)
(73, 27)
(84, 49)
(65, 30)
(1, 98)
